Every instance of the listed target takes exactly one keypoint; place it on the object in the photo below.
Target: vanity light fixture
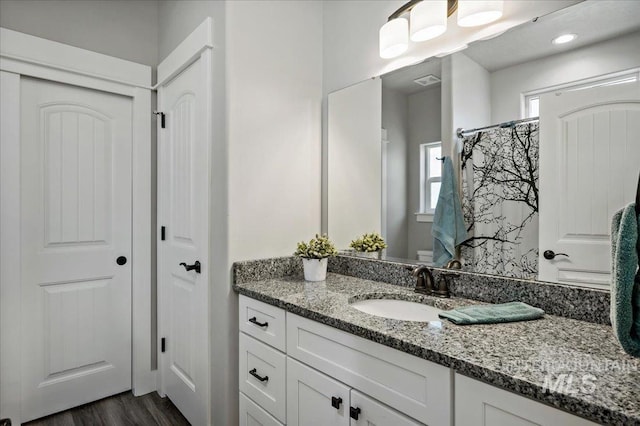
(428, 20)
(564, 38)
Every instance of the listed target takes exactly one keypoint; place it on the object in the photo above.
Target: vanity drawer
(262, 375)
(411, 385)
(264, 322)
(251, 414)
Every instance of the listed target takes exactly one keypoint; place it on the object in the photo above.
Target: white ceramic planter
(315, 269)
(369, 254)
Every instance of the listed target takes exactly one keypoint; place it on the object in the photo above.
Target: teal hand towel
(448, 228)
(625, 284)
(492, 314)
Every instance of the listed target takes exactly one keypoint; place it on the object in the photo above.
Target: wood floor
(123, 409)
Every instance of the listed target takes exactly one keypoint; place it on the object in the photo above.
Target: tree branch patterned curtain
(500, 201)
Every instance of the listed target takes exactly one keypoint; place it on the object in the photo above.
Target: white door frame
(23, 54)
(198, 45)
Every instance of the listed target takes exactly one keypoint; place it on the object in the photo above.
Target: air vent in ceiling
(427, 80)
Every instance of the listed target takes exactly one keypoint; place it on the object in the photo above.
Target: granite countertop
(600, 381)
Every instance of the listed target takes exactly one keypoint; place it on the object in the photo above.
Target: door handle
(194, 267)
(254, 320)
(254, 373)
(550, 254)
(121, 260)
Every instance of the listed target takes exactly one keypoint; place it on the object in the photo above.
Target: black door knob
(335, 402)
(121, 260)
(194, 267)
(550, 254)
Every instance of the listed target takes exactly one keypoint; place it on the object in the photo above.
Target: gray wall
(124, 29)
(395, 121)
(424, 126)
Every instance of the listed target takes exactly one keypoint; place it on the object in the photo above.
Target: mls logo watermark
(570, 383)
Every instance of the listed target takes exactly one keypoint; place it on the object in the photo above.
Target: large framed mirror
(544, 134)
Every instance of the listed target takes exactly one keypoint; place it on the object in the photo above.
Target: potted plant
(369, 245)
(315, 256)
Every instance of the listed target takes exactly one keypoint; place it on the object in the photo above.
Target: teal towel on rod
(492, 314)
(448, 228)
(625, 281)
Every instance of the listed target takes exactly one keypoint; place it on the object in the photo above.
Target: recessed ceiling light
(564, 38)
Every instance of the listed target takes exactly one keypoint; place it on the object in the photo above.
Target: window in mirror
(533, 106)
(430, 175)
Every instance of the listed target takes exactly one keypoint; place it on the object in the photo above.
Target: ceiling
(402, 79)
(590, 20)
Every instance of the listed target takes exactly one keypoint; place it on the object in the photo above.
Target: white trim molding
(187, 51)
(26, 55)
(27, 49)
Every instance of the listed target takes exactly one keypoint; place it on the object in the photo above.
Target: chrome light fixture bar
(428, 20)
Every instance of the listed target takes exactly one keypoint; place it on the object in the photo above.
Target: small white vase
(315, 269)
(369, 254)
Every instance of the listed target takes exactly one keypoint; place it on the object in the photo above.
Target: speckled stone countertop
(520, 357)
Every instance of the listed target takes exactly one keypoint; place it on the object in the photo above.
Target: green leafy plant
(369, 243)
(317, 248)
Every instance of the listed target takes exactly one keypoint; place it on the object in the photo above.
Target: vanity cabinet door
(315, 399)
(372, 412)
(478, 403)
(251, 414)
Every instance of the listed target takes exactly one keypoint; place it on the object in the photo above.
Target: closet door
(76, 245)
(314, 399)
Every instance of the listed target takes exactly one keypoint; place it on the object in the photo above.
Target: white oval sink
(398, 309)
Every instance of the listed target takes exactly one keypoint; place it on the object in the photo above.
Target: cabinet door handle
(335, 402)
(354, 413)
(254, 320)
(255, 374)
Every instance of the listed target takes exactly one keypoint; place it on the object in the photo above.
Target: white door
(314, 399)
(76, 223)
(183, 197)
(589, 164)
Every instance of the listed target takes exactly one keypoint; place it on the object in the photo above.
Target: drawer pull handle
(354, 413)
(335, 402)
(254, 320)
(255, 374)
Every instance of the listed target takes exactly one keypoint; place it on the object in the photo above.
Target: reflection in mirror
(528, 188)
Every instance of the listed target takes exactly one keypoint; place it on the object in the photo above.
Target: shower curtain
(500, 201)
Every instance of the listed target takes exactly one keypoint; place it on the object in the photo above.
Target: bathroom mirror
(537, 195)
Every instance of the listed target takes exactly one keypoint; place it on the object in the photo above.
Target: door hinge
(162, 345)
(162, 232)
(161, 114)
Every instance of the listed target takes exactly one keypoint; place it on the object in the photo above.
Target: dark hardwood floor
(122, 409)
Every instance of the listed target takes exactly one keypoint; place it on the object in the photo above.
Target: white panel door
(183, 196)
(76, 222)
(355, 162)
(314, 399)
(589, 164)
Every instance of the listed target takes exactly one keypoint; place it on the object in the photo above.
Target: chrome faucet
(425, 281)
